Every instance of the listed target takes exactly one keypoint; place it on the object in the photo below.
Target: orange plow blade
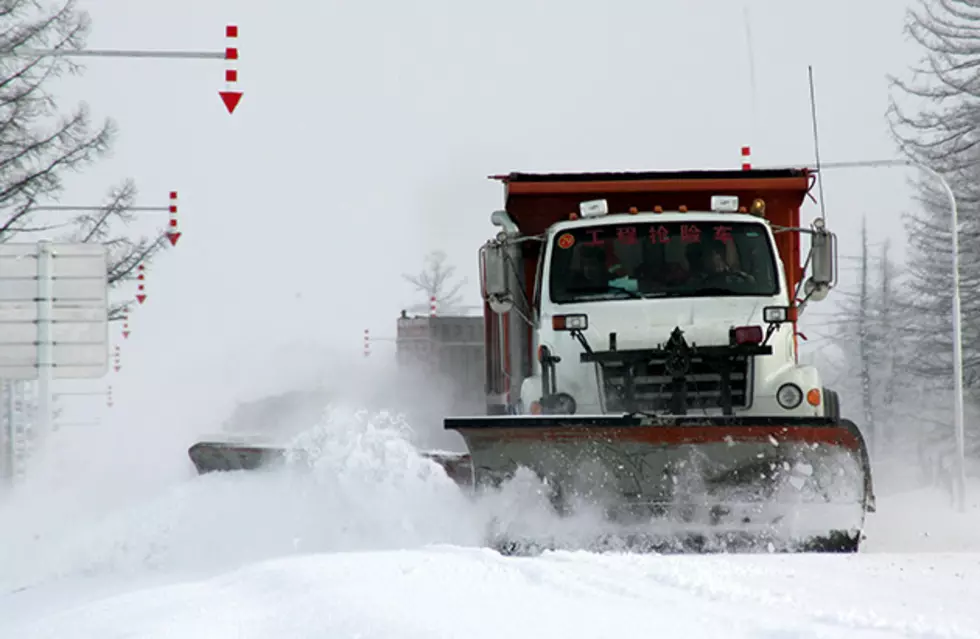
(685, 483)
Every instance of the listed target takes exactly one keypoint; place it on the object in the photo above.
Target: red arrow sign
(141, 298)
(126, 334)
(229, 96)
(231, 99)
(173, 236)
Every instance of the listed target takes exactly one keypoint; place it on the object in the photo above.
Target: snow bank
(369, 488)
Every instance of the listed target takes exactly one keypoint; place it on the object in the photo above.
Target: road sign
(54, 309)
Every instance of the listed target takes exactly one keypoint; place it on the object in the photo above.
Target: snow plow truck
(642, 357)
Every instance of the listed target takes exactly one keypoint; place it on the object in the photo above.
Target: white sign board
(79, 327)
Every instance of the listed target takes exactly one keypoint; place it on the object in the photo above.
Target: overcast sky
(368, 128)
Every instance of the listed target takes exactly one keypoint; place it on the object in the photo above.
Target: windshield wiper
(605, 289)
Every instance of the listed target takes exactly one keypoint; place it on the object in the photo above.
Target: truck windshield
(671, 259)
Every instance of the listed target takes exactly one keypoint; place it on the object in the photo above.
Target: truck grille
(652, 385)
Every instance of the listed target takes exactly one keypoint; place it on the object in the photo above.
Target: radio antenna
(754, 116)
(816, 141)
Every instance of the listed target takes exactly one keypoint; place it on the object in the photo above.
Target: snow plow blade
(682, 484)
(215, 456)
(227, 456)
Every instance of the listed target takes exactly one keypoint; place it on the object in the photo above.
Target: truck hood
(646, 323)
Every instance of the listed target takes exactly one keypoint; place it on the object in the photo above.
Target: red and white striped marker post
(141, 287)
(118, 359)
(432, 306)
(230, 96)
(108, 396)
(173, 233)
(125, 330)
(746, 158)
(367, 343)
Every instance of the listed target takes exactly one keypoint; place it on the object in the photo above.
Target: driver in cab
(710, 262)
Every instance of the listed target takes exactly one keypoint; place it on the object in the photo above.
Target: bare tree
(855, 330)
(873, 353)
(943, 132)
(892, 362)
(39, 145)
(436, 280)
(126, 252)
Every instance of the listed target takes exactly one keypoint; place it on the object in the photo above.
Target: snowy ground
(377, 543)
(456, 592)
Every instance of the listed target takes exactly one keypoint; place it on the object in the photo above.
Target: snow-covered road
(377, 544)
(473, 593)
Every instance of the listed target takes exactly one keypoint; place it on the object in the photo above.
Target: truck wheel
(831, 402)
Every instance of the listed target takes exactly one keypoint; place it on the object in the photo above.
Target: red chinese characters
(659, 234)
(595, 241)
(690, 234)
(723, 233)
(626, 234)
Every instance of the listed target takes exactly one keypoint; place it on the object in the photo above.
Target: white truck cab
(628, 302)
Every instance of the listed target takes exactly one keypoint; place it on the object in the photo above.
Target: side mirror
(494, 275)
(823, 260)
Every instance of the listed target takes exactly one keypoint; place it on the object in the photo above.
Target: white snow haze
(363, 141)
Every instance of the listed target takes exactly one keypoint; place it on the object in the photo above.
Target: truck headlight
(789, 396)
(577, 322)
(558, 404)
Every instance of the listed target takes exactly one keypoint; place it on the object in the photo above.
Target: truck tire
(831, 403)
